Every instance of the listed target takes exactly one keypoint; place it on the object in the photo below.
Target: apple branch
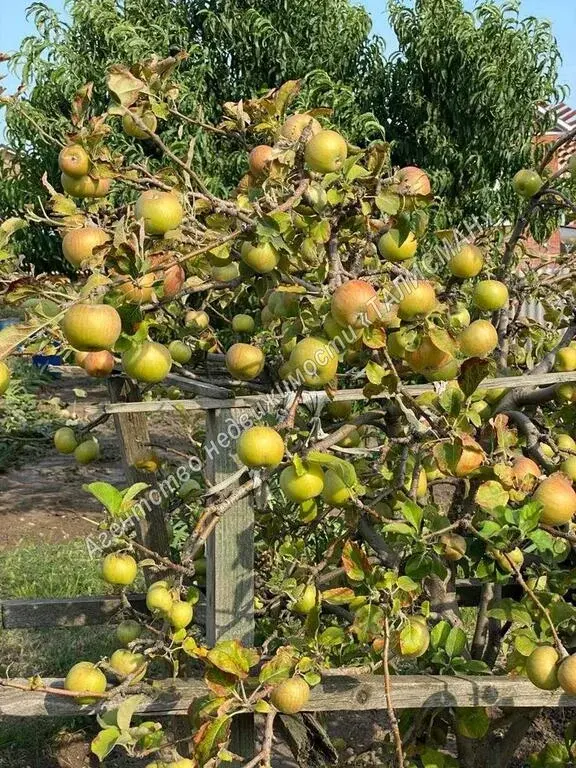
(389, 706)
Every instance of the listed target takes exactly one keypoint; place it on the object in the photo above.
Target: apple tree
(316, 277)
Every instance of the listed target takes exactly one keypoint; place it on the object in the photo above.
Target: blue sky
(562, 14)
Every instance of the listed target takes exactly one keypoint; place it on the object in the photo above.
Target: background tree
(462, 95)
(235, 50)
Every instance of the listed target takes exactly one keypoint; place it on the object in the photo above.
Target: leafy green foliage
(463, 94)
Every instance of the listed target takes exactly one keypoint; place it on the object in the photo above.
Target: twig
(389, 705)
(165, 561)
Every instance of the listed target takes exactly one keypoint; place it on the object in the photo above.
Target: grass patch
(49, 570)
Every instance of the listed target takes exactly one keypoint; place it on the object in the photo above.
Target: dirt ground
(43, 500)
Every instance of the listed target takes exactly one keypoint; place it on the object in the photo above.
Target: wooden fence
(228, 611)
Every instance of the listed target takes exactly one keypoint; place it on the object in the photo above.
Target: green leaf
(375, 372)
(406, 584)
(529, 517)
(279, 668)
(388, 202)
(123, 85)
(439, 634)
(451, 401)
(472, 374)
(230, 656)
(413, 513)
(355, 562)
(344, 469)
(107, 495)
(511, 610)
(126, 710)
(332, 636)
(368, 623)
(104, 742)
(338, 595)
(210, 737)
(455, 642)
(491, 495)
(402, 528)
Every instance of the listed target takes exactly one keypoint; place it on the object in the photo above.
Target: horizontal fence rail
(92, 611)
(340, 690)
(272, 399)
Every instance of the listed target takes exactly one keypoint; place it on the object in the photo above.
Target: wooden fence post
(134, 438)
(230, 562)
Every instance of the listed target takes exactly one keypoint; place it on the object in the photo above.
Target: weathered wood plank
(91, 611)
(75, 612)
(338, 692)
(132, 431)
(230, 566)
(275, 399)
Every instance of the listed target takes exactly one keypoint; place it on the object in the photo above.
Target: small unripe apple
(244, 361)
(490, 295)
(565, 359)
(179, 352)
(91, 327)
(558, 500)
(87, 451)
(325, 152)
(565, 442)
(414, 638)
(294, 125)
(314, 362)
(542, 667)
(339, 409)
(5, 375)
(290, 696)
(98, 364)
(158, 598)
(148, 362)
(416, 300)
(65, 440)
(119, 568)
(508, 560)
(85, 676)
(479, 339)
(125, 663)
(261, 258)
(259, 159)
(467, 262)
(454, 546)
(161, 211)
(74, 161)
(78, 246)
(335, 492)
(197, 318)
(356, 304)
(306, 600)
(260, 447)
(304, 487)
(128, 631)
(567, 675)
(135, 131)
(85, 186)
(243, 323)
(527, 183)
(568, 467)
(180, 614)
(395, 248)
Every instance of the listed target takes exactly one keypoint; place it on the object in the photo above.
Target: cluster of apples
(85, 451)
